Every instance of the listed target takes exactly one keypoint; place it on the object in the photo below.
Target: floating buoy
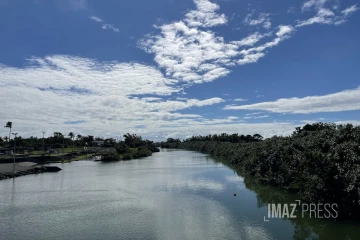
(234, 194)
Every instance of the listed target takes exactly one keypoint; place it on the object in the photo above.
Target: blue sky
(171, 68)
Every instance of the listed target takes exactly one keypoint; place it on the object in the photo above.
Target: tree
(132, 140)
(9, 125)
(88, 139)
(72, 136)
(257, 137)
(58, 135)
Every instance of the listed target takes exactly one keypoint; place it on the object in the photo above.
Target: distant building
(53, 151)
(6, 151)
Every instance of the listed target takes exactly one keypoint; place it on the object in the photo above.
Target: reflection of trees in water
(304, 228)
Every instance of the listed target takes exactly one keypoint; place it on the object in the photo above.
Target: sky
(177, 68)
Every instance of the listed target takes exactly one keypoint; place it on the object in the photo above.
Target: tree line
(320, 162)
(57, 140)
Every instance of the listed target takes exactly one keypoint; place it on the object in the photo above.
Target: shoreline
(35, 170)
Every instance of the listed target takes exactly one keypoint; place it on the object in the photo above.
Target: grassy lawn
(69, 150)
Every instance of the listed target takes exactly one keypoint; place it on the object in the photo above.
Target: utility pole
(43, 148)
(14, 153)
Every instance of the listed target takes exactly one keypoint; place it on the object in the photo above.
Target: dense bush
(127, 156)
(132, 147)
(144, 152)
(110, 156)
(321, 162)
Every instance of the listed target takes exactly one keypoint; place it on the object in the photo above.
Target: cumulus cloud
(347, 100)
(63, 93)
(109, 98)
(192, 53)
(61, 89)
(205, 15)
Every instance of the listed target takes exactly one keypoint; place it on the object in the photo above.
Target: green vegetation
(59, 148)
(320, 162)
(132, 147)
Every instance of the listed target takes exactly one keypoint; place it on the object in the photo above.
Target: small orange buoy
(234, 194)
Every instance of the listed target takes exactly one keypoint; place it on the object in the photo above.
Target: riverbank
(319, 162)
(6, 174)
(179, 189)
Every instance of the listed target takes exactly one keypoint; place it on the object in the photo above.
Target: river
(173, 194)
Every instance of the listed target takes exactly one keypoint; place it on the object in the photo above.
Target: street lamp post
(14, 152)
(86, 150)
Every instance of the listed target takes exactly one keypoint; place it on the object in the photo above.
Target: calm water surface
(171, 195)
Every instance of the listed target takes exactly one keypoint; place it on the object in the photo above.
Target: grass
(59, 154)
(69, 150)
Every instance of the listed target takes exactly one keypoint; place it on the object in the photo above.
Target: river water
(173, 194)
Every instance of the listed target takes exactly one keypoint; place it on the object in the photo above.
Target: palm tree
(9, 125)
(72, 136)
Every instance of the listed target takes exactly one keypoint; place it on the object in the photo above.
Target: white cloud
(284, 31)
(311, 4)
(110, 26)
(113, 97)
(151, 99)
(110, 98)
(350, 10)
(337, 102)
(205, 15)
(54, 90)
(255, 117)
(262, 19)
(324, 15)
(250, 40)
(105, 25)
(190, 52)
(96, 19)
(240, 100)
(252, 55)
